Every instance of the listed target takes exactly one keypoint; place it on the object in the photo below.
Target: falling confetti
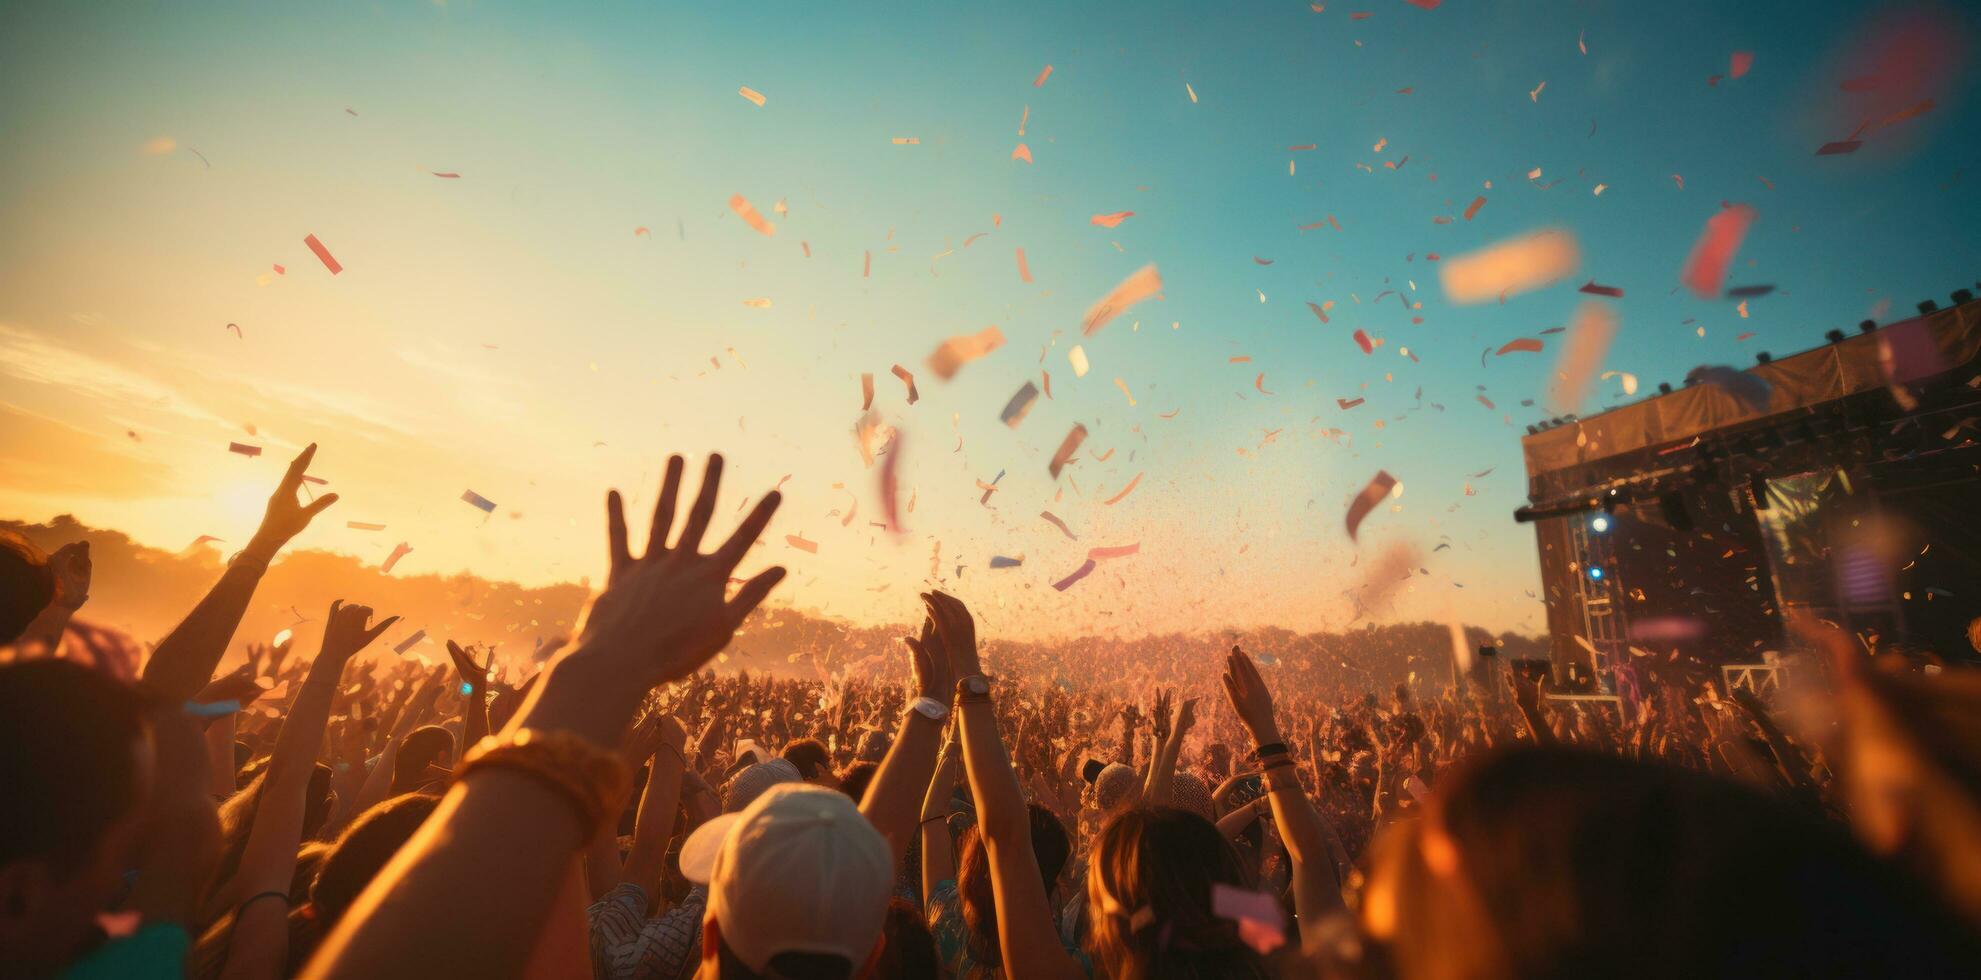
(1143, 284)
(1379, 487)
(1510, 267)
(752, 94)
(323, 254)
(1067, 447)
(1706, 268)
(741, 206)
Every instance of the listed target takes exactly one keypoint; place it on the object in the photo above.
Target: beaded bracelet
(591, 779)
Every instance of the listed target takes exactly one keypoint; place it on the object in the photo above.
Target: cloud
(46, 457)
(29, 357)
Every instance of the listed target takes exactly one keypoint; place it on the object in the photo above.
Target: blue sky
(489, 331)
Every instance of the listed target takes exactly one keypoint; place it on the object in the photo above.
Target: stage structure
(1678, 533)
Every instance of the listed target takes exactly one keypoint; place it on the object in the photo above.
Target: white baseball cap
(797, 871)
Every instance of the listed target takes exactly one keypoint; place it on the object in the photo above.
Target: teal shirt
(952, 938)
(154, 951)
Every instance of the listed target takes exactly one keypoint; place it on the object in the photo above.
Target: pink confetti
(1706, 268)
(1529, 344)
(1742, 61)
(1362, 340)
(1111, 220)
(1143, 284)
(401, 550)
(323, 254)
(1086, 568)
(1044, 73)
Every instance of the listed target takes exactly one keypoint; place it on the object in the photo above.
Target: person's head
(857, 777)
(798, 887)
(1115, 787)
(349, 865)
(907, 949)
(428, 745)
(1149, 879)
(1050, 847)
(814, 762)
(1556, 862)
(27, 585)
(75, 767)
(753, 781)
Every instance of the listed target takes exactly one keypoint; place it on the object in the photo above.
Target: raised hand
(1186, 717)
(1250, 699)
(71, 566)
(349, 630)
(957, 632)
(1159, 715)
(285, 517)
(471, 673)
(935, 677)
(664, 614)
(236, 686)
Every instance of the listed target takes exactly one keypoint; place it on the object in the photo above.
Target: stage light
(1600, 524)
(1596, 572)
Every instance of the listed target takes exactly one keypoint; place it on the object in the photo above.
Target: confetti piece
(1742, 309)
(1592, 289)
(809, 547)
(1067, 447)
(955, 352)
(1706, 268)
(1144, 283)
(1044, 73)
(1838, 148)
(1023, 118)
(1508, 268)
(1261, 922)
(1529, 344)
(1347, 403)
(363, 526)
(409, 642)
(1740, 63)
(1379, 487)
(1260, 383)
(642, 230)
(1321, 310)
(752, 94)
(1362, 340)
(1086, 568)
(867, 265)
(1599, 189)
(909, 380)
(1024, 271)
(244, 449)
(890, 491)
(741, 206)
(1022, 152)
(1123, 385)
(400, 550)
(1749, 292)
(1125, 491)
(1111, 220)
(1483, 400)
(1536, 94)
(907, 141)
(1020, 405)
(1078, 358)
(323, 254)
(1117, 551)
(1629, 380)
(449, 175)
(1582, 351)
(470, 497)
(1191, 92)
(1581, 42)
(1426, 5)
(1477, 203)
(237, 330)
(758, 303)
(158, 146)
(1056, 522)
(1241, 359)
(999, 561)
(866, 391)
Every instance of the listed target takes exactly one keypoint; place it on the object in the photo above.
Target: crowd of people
(627, 812)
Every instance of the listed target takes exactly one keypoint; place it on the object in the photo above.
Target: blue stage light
(1596, 572)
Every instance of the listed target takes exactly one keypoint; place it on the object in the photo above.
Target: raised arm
(71, 566)
(474, 703)
(260, 943)
(646, 862)
(479, 879)
(1025, 932)
(1162, 768)
(1315, 891)
(903, 776)
(185, 659)
(938, 848)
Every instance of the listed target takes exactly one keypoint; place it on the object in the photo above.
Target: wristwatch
(975, 687)
(929, 708)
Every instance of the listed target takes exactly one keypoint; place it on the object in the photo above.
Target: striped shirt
(626, 945)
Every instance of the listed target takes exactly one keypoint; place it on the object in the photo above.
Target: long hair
(1149, 879)
(1557, 863)
(1050, 848)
